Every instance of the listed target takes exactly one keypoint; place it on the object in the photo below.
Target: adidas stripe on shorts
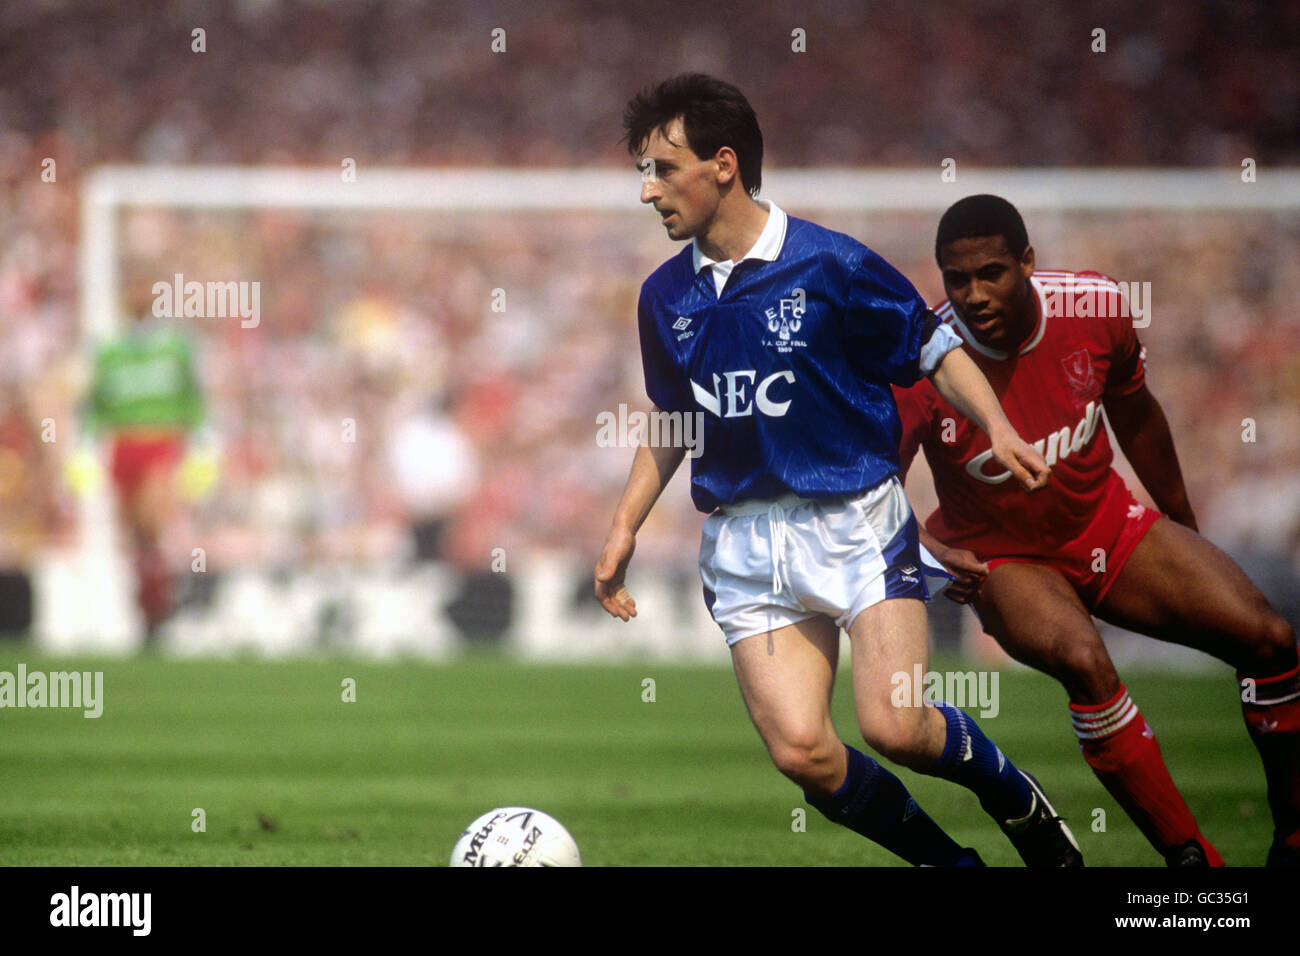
(768, 564)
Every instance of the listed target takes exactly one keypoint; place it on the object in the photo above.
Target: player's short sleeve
(1127, 372)
(664, 383)
(938, 339)
(887, 324)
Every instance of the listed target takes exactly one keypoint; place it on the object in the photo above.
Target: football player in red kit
(1058, 349)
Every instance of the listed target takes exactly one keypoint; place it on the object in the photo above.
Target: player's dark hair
(714, 114)
(977, 216)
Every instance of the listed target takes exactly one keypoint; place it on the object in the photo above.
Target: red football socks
(1271, 706)
(1122, 751)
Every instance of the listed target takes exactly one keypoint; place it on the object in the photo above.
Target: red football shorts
(135, 457)
(1119, 524)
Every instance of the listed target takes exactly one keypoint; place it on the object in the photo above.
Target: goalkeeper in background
(145, 399)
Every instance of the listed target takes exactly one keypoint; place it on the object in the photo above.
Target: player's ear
(1027, 262)
(726, 164)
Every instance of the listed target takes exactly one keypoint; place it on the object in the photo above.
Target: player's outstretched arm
(964, 387)
(1143, 434)
(652, 468)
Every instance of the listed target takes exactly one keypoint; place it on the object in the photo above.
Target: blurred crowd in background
(474, 411)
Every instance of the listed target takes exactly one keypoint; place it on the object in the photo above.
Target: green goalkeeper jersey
(145, 379)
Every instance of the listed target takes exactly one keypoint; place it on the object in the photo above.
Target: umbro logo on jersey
(681, 323)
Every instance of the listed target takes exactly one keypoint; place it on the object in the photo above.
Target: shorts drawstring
(776, 531)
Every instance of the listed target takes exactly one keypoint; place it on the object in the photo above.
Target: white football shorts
(768, 564)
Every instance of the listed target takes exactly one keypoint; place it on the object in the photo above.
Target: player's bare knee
(1273, 643)
(1278, 633)
(901, 736)
(1086, 663)
(807, 761)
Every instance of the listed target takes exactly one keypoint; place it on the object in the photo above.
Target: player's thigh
(140, 510)
(786, 678)
(1039, 619)
(152, 501)
(1178, 586)
(891, 639)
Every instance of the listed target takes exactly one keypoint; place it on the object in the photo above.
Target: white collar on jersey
(767, 248)
(1033, 339)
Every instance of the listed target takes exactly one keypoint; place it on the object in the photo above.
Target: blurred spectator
(370, 318)
(434, 468)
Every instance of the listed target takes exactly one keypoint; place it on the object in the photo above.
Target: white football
(515, 836)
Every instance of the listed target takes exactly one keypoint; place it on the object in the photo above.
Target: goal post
(109, 189)
(896, 198)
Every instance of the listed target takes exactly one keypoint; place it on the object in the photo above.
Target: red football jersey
(1082, 349)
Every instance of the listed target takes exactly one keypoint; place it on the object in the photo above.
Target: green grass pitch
(287, 773)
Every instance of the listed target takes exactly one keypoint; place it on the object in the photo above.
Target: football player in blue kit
(786, 336)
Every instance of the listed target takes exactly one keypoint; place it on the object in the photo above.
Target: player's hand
(82, 472)
(197, 474)
(969, 573)
(1022, 460)
(610, 572)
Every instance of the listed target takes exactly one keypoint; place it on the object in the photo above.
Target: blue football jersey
(790, 365)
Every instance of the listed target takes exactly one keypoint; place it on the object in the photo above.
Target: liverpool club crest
(1081, 376)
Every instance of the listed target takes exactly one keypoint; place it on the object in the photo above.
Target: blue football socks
(874, 803)
(972, 760)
